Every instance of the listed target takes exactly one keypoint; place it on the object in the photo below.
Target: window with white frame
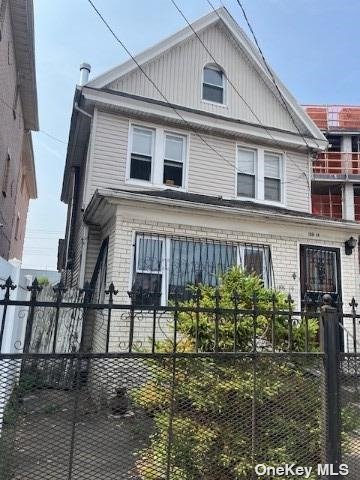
(174, 160)
(259, 174)
(149, 270)
(165, 267)
(272, 176)
(142, 152)
(213, 84)
(157, 156)
(246, 172)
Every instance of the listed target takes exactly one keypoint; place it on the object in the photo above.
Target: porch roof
(176, 198)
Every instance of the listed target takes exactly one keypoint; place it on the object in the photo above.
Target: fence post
(330, 339)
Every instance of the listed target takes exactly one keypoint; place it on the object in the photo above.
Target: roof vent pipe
(85, 70)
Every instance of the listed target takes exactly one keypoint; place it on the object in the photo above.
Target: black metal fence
(216, 387)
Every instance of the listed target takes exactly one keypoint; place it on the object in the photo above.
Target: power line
(164, 96)
(225, 74)
(279, 92)
(237, 91)
(272, 74)
(40, 131)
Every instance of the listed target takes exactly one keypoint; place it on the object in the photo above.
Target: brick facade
(283, 238)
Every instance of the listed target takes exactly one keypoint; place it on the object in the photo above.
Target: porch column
(348, 190)
(348, 202)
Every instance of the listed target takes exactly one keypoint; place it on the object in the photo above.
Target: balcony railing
(337, 163)
(335, 117)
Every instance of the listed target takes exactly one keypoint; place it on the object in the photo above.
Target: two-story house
(193, 159)
(18, 117)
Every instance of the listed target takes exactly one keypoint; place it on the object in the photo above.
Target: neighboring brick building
(18, 117)
(170, 189)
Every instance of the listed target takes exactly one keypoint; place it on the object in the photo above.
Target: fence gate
(214, 388)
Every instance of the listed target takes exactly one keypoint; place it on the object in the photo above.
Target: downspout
(83, 255)
(85, 70)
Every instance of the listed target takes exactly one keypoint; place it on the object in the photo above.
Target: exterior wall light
(350, 245)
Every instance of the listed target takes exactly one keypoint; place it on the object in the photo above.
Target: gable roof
(237, 33)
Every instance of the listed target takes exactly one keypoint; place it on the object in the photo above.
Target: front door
(320, 273)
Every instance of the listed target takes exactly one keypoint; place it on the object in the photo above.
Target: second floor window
(259, 174)
(173, 160)
(142, 152)
(213, 84)
(272, 177)
(157, 156)
(246, 173)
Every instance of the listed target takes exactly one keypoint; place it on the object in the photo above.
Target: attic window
(213, 84)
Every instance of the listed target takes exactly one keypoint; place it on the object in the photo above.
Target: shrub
(215, 417)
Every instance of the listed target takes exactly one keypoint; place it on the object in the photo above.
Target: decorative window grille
(165, 267)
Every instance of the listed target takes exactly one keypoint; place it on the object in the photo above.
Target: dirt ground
(53, 442)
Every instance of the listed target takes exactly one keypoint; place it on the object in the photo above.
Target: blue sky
(311, 44)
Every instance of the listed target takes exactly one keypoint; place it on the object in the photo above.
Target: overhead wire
(267, 66)
(172, 106)
(303, 173)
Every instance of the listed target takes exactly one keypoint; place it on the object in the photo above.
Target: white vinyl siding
(206, 172)
(179, 75)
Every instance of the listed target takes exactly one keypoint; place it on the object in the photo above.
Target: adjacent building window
(272, 177)
(6, 175)
(17, 227)
(259, 174)
(174, 160)
(142, 152)
(246, 173)
(213, 84)
(157, 156)
(165, 267)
